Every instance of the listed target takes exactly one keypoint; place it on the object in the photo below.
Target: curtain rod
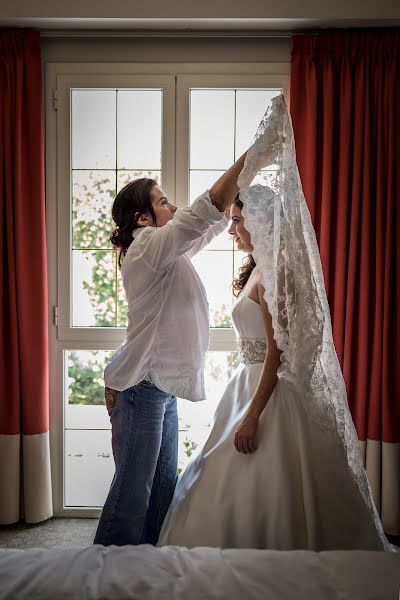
(187, 33)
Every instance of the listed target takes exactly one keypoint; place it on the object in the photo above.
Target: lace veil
(286, 252)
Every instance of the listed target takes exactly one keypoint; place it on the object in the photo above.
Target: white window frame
(220, 339)
(64, 84)
(176, 80)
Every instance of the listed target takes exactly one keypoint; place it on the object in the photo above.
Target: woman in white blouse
(163, 354)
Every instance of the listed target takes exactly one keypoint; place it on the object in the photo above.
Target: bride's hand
(245, 435)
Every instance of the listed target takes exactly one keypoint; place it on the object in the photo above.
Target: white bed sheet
(171, 573)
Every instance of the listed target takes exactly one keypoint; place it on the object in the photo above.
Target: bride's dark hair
(247, 267)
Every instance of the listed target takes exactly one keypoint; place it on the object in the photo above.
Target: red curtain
(345, 108)
(24, 412)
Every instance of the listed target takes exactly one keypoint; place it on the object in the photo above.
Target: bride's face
(238, 230)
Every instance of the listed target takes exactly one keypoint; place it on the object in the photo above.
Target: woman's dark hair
(247, 267)
(134, 198)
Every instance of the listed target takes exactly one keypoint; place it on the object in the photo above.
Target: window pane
(223, 241)
(96, 301)
(212, 121)
(84, 389)
(84, 385)
(89, 467)
(215, 268)
(94, 288)
(93, 195)
(125, 177)
(122, 305)
(93, 129)
(200, 181)
(250, 109)
(89, 464)
(139, 129)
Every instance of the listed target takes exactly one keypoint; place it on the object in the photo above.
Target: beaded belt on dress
(251, 350)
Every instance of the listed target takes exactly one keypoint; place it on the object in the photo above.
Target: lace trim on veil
(286, 251)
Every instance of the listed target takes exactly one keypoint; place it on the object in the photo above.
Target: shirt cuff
(205, 209)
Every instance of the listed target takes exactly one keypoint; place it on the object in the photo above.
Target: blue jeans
(144, 425)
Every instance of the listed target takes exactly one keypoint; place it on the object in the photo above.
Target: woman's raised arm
(225, 189)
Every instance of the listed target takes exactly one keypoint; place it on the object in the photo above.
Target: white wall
(165, 50)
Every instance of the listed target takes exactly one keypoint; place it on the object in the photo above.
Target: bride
(281, 468)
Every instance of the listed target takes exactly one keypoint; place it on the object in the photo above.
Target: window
(184, 130)
(116, 136)
(222, 125)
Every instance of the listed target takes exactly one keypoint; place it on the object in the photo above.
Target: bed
(171, 573)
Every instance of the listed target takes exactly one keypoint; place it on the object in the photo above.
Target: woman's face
(163, 208)
(238, 230)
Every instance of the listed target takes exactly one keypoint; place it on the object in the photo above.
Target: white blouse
(168, 323)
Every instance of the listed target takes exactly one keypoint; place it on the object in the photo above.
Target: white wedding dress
(305, 486)
(294, 492)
